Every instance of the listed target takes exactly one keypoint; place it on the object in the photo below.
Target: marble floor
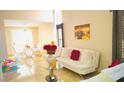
(37, 69)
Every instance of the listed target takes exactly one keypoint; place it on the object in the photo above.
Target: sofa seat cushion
(72, 63)
(75, 66)
(63, 59)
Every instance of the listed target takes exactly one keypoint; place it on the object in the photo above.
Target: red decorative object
(9, 60)
(9, 68)
(114, 63)
(75, 54)
(50, 48)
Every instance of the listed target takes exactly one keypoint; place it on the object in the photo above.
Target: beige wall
(9, 30)
(35, 34)
(46, 33)
(101, 32)
(3, 48)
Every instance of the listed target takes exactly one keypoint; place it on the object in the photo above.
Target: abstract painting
(82, 32)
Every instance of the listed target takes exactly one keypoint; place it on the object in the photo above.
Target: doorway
(21, 38)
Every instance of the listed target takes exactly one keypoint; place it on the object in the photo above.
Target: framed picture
(82, 32)
(60, 38)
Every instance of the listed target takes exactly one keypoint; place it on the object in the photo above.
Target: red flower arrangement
(50, 48)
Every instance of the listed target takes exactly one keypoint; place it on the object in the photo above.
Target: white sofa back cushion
(66, 52)
(86, 58)
(89, 57)
(58, 51)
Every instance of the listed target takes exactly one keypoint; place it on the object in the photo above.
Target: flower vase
(51, 77)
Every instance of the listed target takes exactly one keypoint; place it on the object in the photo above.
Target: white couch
(87, 63)
(108, 75)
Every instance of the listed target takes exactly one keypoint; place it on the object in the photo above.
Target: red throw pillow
(75, 54)
(114, 63)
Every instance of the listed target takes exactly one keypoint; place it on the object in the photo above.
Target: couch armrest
(114, 69)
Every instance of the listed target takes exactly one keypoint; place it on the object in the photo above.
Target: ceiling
(21, 23)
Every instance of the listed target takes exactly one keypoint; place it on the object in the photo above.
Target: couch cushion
(86, 58)
(75, 64)
(66, 52)
(62, 59)
(75, 54)
(58, 51)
